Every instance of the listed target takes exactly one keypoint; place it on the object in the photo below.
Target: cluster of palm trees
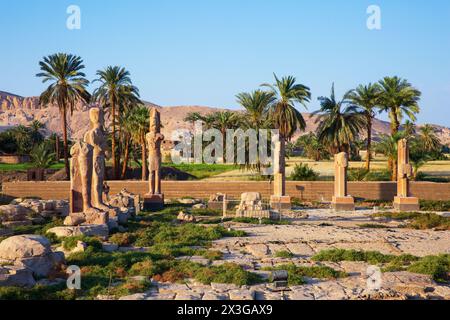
(341, 122)
(116, 94)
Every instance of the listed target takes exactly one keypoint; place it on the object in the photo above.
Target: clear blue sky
(204, 52)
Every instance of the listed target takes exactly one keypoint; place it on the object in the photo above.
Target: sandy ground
(326, 168)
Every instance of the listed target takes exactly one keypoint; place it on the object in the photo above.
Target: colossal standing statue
(403, 201)
(154, 199)
(341, 200)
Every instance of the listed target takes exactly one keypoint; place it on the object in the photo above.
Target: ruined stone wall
(308, 191)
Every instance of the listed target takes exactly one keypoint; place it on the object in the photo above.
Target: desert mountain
(17, 110)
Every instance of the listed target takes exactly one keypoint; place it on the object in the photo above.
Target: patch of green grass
(426, 205)
(374, 257)
(202, 171)
(70, 243)
(297, 274)
(25, 166)
(419, 220)
(58, 292)
(227, 273)
(438, 267)
(373, 226)
(165, 239)
(284, 254)
(398, 215)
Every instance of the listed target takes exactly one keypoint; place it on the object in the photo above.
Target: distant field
(25, 166)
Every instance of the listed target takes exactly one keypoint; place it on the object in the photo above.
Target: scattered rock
(185, 217)
(16, 276)
(110, 247)
(242, 294)
(100, 230)
(199, 206)
(31, 252)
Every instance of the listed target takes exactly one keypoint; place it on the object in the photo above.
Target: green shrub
(296, 274)
(302, 172)
(378, 175)
(337, 255)
(357, 174)
(123, 239)
(227, 273)
(70, 243)
(436, 266)
(284, 254)
(373, 226)
(434, 205)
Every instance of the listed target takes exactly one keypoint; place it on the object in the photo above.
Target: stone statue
(96, 138)
(279, 200)
(87, 176)
(403, 201)
(251, 206)
(341, 200)
(154, 199)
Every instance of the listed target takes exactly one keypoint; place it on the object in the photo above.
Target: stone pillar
(154, 200)
(341, 200)
(279, 199)
(403, 201)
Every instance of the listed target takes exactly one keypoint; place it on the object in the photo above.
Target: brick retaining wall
(203, 189)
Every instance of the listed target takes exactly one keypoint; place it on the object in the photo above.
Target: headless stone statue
(341, 200)
(403, 201)
(279, 199)
(95, 137)
(154, 199)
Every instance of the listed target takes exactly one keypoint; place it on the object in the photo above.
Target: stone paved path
(322, 230)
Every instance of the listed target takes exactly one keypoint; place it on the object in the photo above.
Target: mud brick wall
(308, 191)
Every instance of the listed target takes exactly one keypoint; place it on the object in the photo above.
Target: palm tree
(116, 91)
(287, 119)
(312, 147)
(68, 86)
(428, 138)
(399, 98)
(340, 122)
(367, 98)
(257, 106)
(388, 146)
(42, 156)
(137, 125)
(409, 129)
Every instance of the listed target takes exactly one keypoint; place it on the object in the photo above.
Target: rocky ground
(321, 231)
(27, 260)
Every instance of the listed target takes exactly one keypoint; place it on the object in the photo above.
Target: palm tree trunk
(57, 152)
(395, 125)
(119, 147)
(66, 146)
(369, 142)
(114, 155)
(394, 171)
(126, 158)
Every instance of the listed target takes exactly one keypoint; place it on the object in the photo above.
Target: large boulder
(31, 252)
(16, 276)
(13, 212)
(100, 230)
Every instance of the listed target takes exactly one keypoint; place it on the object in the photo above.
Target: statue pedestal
(153, 202)
(406, 204)
(280, 202)
(343, 203)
